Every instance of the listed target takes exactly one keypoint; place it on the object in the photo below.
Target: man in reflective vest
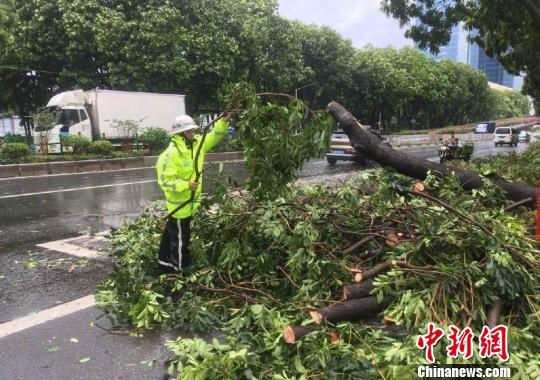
(176, 177)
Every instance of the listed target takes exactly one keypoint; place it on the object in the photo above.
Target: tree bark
(355, 291)
(377, 150)
(352, 310)
(292, 333)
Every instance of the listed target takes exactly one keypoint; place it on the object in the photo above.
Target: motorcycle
(461, 151)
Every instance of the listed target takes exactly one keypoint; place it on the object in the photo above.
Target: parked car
(524, 137)
(341, 149)
(505, 135)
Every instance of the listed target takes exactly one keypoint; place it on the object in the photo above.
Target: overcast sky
(361, 21)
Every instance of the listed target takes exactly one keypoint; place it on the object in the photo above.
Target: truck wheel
(331, 161)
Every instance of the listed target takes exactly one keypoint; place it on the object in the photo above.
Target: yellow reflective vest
(176, 168)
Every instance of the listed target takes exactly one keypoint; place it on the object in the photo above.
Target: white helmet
(181, 124)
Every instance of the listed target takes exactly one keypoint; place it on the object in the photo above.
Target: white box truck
(93, 113)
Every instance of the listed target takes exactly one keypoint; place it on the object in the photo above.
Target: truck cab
(70, 118)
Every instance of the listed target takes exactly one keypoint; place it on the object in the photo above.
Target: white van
(505, 135)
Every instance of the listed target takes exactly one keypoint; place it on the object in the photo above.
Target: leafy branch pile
(262, 265)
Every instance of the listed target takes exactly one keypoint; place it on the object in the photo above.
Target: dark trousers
(174, 247)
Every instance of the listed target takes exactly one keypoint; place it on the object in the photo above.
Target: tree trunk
(352, 310)
(377, 150)
(355, 291)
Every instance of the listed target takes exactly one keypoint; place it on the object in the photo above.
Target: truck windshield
(67, 117)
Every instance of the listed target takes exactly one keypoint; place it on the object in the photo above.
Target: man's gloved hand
(193, 185)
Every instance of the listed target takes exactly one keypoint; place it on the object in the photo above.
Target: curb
(88, 166)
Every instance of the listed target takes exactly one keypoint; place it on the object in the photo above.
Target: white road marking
(75, 189)
(73, 174)
(47, 315)
(65, 246)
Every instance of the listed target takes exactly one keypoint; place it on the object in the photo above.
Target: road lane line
(74, 189)
(66, 246)
(47, 315)
(105, 172)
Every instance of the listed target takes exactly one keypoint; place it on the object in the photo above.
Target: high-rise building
(460, 49)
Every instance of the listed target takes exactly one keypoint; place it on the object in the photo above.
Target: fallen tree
(376, 149)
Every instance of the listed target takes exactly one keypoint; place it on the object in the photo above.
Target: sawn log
(352, 310)
(355, 291)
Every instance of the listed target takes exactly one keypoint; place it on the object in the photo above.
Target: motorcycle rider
(452, 141)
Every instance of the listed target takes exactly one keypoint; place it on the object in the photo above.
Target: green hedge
(76, 144)
(14, 151)
(101, 147)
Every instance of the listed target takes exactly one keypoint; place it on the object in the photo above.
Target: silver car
(340, 148)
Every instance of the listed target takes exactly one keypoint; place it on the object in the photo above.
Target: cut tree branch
(384, 266)
(357, 290)
(515, 205)
(352, 310)
(355, 246)
(374, 148)
(293, 333)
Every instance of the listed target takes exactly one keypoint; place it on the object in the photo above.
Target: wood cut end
(288, 335)
(358, 277)
(316, 316)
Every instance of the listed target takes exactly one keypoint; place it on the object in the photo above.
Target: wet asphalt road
(41, 209)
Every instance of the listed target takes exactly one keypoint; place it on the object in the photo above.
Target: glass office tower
(459, 49)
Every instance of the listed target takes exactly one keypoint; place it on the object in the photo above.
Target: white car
(505, 135)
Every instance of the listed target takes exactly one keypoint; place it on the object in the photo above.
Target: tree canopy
(509, 30)
(199, 48)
